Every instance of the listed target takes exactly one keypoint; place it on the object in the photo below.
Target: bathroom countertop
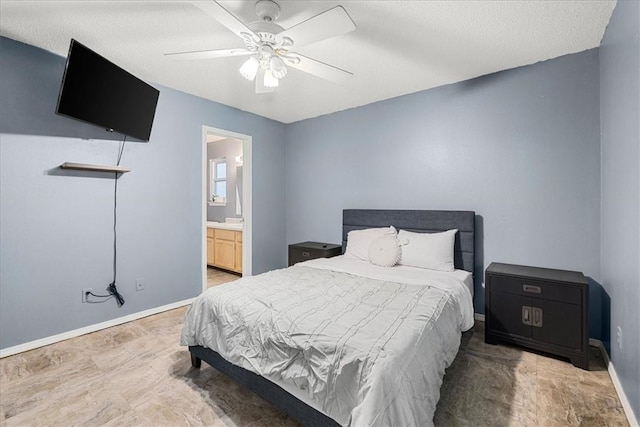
(224, 225)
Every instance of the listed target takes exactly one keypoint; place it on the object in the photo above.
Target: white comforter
(365, 345)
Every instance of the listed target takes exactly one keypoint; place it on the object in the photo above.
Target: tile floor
(137, 374)
(489, 385)
(217, 277)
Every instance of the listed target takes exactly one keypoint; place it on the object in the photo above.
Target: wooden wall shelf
(96, 168)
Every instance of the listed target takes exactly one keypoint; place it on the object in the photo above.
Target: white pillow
(358, 241)
(385, 251)
(428, 250)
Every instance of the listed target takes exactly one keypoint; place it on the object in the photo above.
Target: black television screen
(99, 92)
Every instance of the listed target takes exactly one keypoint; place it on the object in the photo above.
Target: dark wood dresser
(305, 251)
(539, 308)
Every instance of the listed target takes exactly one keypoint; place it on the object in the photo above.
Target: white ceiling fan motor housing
(267, 10)
(266, 29)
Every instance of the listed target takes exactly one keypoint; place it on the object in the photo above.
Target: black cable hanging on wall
(111, 288)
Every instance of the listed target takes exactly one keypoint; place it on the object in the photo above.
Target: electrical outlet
(84, 294)
(140, 284)
(619, 337)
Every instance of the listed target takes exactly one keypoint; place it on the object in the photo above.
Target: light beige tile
(217, 277)
(41, 403)
(58, 386)
(97, 408)
(574, 401)
(166, 404)
(99, 342)
(484, 391)
(128, 419)
(37, 361)
(164, 324)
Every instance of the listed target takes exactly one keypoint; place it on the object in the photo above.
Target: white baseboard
(91, 328)
(628, 411)
(633, 421)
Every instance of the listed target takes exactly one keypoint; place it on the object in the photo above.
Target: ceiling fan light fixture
(268, 45)
(269, 79)
(277, 67)
(249, 69)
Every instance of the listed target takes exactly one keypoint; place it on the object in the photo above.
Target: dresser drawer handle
(526, 315)
(532, 289)
(537, 317)
(305, 254)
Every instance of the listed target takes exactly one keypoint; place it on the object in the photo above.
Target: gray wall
(520, 147)
(620, 124)
(56, 226)
(228, 148)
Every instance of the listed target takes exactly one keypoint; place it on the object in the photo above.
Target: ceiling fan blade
(259, 81)
(328, 24)
(320, 69)
(208, 54)
(226, 18)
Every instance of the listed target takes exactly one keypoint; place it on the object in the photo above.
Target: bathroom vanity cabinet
(224, 249)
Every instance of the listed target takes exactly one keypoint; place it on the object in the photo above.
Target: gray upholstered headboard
(419, 221)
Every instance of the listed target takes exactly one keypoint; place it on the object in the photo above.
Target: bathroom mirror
(239, 190)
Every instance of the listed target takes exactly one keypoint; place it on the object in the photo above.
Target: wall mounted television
(96, 91)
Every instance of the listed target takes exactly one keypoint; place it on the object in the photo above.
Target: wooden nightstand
(539, 308)
(305, 251)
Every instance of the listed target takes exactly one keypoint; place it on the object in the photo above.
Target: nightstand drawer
(536, 288)
(305, 251)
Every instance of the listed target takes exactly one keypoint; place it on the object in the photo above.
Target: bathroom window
(218, 183)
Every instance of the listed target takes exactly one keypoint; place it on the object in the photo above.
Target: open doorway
(226, 206)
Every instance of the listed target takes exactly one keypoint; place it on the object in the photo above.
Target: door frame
(247, 184)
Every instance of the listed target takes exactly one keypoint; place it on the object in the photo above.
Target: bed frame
(352, 219)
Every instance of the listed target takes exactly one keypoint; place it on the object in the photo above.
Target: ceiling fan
(269, 45)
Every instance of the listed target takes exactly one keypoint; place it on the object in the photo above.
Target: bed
(340, 341)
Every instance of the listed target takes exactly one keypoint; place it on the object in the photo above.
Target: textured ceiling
(399, 47)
